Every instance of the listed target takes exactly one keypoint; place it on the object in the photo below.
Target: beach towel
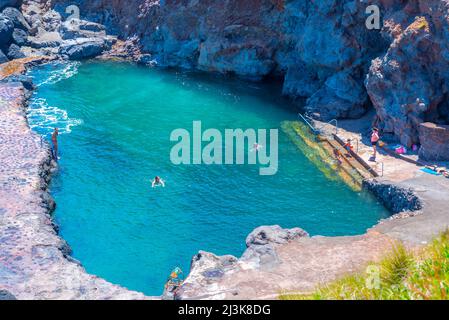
(430, 171)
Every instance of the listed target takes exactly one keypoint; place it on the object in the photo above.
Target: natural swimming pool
(116, 120)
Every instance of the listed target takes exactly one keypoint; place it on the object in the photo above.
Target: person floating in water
(374, 142)
(158, 182)
(54, 140)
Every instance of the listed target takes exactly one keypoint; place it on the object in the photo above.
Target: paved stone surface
(304, 263)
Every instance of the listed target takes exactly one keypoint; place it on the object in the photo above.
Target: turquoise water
(116, 121)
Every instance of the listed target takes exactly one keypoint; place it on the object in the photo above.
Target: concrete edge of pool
(35, 262)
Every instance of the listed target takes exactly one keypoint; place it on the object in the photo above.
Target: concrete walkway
(302, 264)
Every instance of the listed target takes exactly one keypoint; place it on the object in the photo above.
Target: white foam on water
(44, 118)
(63, 71)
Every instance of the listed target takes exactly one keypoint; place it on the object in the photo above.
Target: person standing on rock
(54, 140)
(374, 142)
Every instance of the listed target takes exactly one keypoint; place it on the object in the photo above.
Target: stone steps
(321, 153)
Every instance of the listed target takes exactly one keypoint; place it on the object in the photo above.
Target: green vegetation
(401, 275)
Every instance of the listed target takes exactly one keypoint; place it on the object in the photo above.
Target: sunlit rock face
(321, 49)
(409, 84)
(312, 44)
(435, 140)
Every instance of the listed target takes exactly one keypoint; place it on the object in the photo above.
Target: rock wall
(208, 269)
(435, 141)
(35, 262)
(395, 198)
(321, 49)
(409, 84)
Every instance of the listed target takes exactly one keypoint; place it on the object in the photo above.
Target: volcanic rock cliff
(321, 50)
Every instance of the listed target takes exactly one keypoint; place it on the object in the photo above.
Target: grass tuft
(401, 275)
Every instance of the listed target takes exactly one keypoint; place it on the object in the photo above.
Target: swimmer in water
(256, 147)
(158, 182)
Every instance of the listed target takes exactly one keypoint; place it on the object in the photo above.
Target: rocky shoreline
(269, 248)
(278, 261)
(35, 262)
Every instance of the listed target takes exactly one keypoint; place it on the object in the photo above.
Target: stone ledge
(434, 141)
(34, 261)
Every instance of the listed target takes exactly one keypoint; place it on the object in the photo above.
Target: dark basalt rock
(146, 59)
(20, 37)
(273, 234)
(17, 18)
(434, 141)
(5, 295)
(75, 28)
(394, 197)
(91, 26)
(14, 52)
(6, 30)
(88, 48)
(262, 241)
(3, 57)
(26, 81)
(10, 3)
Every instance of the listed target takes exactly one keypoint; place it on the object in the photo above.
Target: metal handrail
(304, 118)
(307, 119)
(330, 122)
(383, 165)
